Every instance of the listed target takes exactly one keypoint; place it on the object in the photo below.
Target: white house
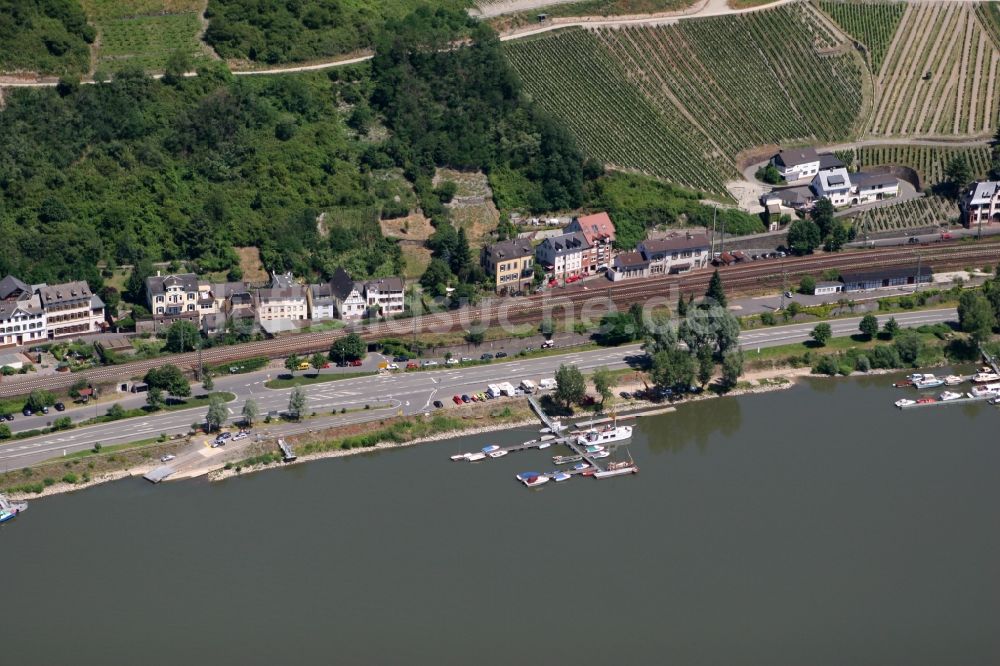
(797, 163)
(869, 187)
(826, 288)
(281, 304)
(676, 253)
(173, 297)
(386, 294)
(348, 295)
(71, 309)
(321, 302)
(22, 322)
(563, 256)
(981, 204)
(627, 265)
(834, 185)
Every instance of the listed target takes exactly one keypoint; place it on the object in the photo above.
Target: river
(817, 525)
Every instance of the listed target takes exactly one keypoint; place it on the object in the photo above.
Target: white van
(493, 391)
(507, 389)
(546, 384)
(527, 386)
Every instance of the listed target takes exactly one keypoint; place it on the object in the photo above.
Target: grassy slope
(43, 36)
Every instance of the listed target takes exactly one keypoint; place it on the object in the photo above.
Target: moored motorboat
(950, 395)
(526, 475)
(903, 383)
(905, 402)
(473, 457)
(953, 380)
(579, 467)
(460, 456)
(926, 400)
(490, 449)
(563, 460)
(560, 476)
(534, 481)
(10, 510)
(617, 469)
(594, 448)
(928, 382)
(985, 376)
(600, 454)
(985, 391)
(544, 445)
(498, 454)
(605, 435)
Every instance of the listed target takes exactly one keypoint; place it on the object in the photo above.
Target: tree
(617, 328)
(768, 174)
(976, 316)
(732, 368)
(206, 382)
(869, 326)
(891, 328)
(181, 336)
(716, 293)
(115, 412)
(4, 431)
(250, 411)
(217, 413)
(807, 285)
(570, 385)
(672, 368)
(706, 365)
(38, 399)
(546, 328)
(170, 379)
(78, 385)
(604, 383)
(297, 402)
(821, 334)
(958, 174)
(727, 331)
(908, 346)
(318, 360)
(135, 287)
(838, 236)
(682, 307)
(154, 398)
(178, 64)
(351, 347)
(436, 278)
(822, 216)
(803, 236)
(292, 363)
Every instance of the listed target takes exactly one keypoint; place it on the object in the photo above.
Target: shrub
(827, 365)
(885, 357)
(70, 477)
(768, 319)
(862, 363)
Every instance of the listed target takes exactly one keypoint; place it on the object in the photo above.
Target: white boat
(617, 469)
(600, 454)
(605, 435)
(594, 448)
(10, 510)
(986, 391)
(498, 454)
(953, 380)
(546, 438)
(950, 395)
(473, 457)
(534, 481)
(526, 475)
(905, 402)
(544, 445)
(928, 382)
(985, 376)
(579, 467)
(460, 456)
(490, 449)
(560, 476)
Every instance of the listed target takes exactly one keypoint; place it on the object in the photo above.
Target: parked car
(548, 344)
(486, 357)
(430, 364)
(45, 409)
(945, 235)
(466, 359)
(466, 399)
(304, 365)
(625, 394)
(451, 361)
(392, 366)
(240, 435)
(356, 363)
(6, 417)
(60, 407)
(400, 358)
(457, 399)
(412, 365)
(26, 412)
(501, 354)
(167, 458)
(438, 404)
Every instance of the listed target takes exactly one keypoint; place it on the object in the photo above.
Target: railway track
(589, 300)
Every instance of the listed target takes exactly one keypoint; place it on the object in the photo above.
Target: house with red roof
(599, 231)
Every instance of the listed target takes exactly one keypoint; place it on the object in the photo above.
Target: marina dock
(287, 454)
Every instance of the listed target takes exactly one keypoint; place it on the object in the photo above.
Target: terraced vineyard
(929, 161)
(574, 78)
(681, 101)
(913, 214)
(939, 76)
(872, 24)
(145, 32)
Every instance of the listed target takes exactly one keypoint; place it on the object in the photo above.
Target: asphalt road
(408, 393)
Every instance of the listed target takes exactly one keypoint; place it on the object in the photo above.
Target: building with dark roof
(511, 265)
(71, 309)
(563, 256)
(628, 265)
(12, 289)
(890, 276)
(386, 295)
(174, 297)
(676, 253)
(980, 204)
(348, 295)
(796, 163)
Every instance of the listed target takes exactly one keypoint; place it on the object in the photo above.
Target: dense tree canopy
(44, 36)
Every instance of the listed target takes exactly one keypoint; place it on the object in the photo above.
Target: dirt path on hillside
(501, 7)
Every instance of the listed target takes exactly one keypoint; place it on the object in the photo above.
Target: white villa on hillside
(796, 163)
(981, 203)
(835, 185)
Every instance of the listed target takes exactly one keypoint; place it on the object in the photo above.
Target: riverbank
(340, 442)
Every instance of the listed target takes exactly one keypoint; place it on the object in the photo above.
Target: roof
(796, 156)
(341, 284)
(791, 195)
(566, 243)
(13, 360)
(631, 260)
(834, 179)
(10, 285)
(827, 283)
(829, 161)
(887, 273)
(981, 192)
(676, 242)
(321, 292)
(509, 249)
(157, 284)
(67, 292)
(596, 228)
(8, 308)
(867, 181)
(386, 284)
